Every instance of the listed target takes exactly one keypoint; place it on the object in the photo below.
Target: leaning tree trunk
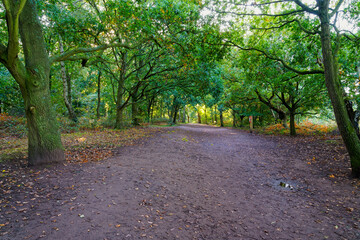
(43, 133)
(334, 87)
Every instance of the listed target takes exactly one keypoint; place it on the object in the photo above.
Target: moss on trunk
(44, 137)
(334, 87)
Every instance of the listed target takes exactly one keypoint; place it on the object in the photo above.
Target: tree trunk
(199, 116)
(284, 122)
(215, 113)
(176, 110)
(234, 118)
(44, 139)
(98, 95)
(135, 112)
(66, 80)
(149, 108)
(221, 118)
(333, 85)
(206, 122)
(242, 120)
(119, 122)
(184, 115)
(292, 124)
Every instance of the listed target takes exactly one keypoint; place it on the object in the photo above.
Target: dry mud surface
(191, 182)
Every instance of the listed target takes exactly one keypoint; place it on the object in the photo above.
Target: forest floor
(189, 182)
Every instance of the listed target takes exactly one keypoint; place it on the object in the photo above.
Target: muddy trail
(191, 182)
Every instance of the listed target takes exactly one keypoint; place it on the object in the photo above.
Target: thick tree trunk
(43, 133)
(334, 87)
(119, 122)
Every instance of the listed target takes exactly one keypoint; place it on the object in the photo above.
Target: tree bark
(334, 87)
(43, 133)
(199, 116)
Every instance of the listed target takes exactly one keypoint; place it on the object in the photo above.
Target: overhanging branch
(300, 72)
(69, 54)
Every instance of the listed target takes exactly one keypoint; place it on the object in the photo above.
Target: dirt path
(194, 182)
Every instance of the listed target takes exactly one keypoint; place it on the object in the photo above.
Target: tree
(296, 15)
(29, 64)
(32, 75)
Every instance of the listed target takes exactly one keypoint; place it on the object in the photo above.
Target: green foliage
(10, 97)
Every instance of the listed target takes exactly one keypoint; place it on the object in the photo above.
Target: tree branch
(289, 22)
(13, 13)
(69, 54)
(300, 72)
(260, 4)
(262, 14)
(306, 8)
(336, 9)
